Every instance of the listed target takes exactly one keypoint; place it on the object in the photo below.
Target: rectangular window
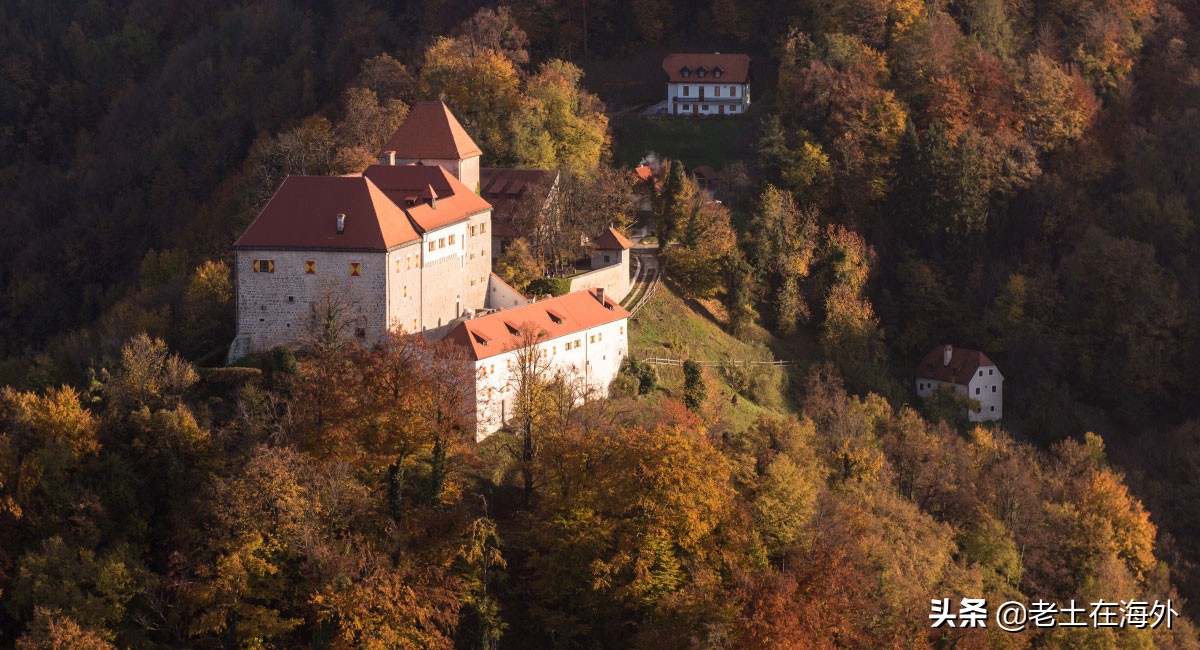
(686, 91)
(432, 245)
(451, 242)
(263, 266)
(310, 267)
(716, 91)
(976, 390)
(441, 242)
(406, 291)
(980, 373)
(483, 227)
(993, 389)
(414, 325)
(473, 230)
(993, 409)
(990, 370)
(355, 269)
(592, 339)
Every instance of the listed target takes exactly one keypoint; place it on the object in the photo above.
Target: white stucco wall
(593, 364)
(614, 278)
(502, 296)
(693, 104)
(986, 387)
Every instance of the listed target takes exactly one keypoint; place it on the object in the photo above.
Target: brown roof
(644, 172)
(490, 335)
(505, 189)
(734, 68)
(409, 186)
(612, 240)
(963, 365)
(431, 132)
(303, 214)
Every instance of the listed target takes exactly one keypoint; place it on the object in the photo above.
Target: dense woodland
(1014, 176)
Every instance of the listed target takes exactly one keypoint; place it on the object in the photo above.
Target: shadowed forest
(1016, 177)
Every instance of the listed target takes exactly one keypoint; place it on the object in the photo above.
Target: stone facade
(610, 272)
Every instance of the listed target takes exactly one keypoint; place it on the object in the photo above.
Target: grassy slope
(668, 326)
(695, 141)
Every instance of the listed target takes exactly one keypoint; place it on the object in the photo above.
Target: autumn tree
(782, 242)
(517, 265)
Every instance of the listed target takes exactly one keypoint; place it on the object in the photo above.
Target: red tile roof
(409, 187)
(303, 214)
(644, 172)
(735, 68)
(506, 188)
(431, 132)
(612, 240)
(963, 365)
(490, 335)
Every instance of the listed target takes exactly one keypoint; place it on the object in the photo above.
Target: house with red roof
(581, 337)
(401, 246)
(970, 373)
(707, 84)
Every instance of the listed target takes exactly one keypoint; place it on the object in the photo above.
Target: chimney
(387, 158)
(600, 295)
(947, 352)
(341, 223)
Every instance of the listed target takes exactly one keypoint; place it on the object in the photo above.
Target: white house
(400, 246)
(707, 84)
(970, 372)
(583, 335)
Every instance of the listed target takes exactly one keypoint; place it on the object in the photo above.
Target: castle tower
(431, 136)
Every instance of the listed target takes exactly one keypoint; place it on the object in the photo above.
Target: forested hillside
(1016, 177)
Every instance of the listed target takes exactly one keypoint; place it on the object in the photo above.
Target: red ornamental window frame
(310, 267)
(263, 266)
(355, 269)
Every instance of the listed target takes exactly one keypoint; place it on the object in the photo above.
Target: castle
(407, 245)
(403, 245)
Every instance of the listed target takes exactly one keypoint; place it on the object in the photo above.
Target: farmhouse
(581, 335)
(970, 372)
(707, 84)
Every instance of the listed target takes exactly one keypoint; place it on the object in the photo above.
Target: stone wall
(614, 279)
(286, 306)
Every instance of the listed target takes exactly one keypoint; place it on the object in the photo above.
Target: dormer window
(685, 72)
(717, 72)
(700, 72)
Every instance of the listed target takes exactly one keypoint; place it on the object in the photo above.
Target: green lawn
(670, 327)
(695, 141)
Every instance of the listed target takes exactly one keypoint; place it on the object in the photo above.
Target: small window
(310, 267)
(687, 91)
(406, 291)
(451, 242)
(991, 370)
(980, 373)
(263, 266)
(355, 269)
(993, 409)
(717, 91)
(592, 339)
(483, 227)
(432, 245)
(441, 242)
(473, 230)
(976, 390)
(360, 332)
(414, 324)
(705, 107)
(607, 259)
(993, 389)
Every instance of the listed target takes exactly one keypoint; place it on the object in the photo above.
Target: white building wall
(280, 308)
(502, 296)
(613, 278)
(692, 103)
(593, 364)
(404, 288)
(985, 387)
(443, 276)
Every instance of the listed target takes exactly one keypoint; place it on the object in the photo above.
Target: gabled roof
(500, 332)
(409, 186)
(431, 132)
(963, 365)
(505, 188)
(303, 214)
(612, 240)
(735, 68)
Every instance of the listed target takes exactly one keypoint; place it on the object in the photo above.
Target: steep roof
(506, 188)
(963, 365)
(431, 132)
(409, 186)
(734, 68)
(303, 214)
(497, 333)
(612, 240)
